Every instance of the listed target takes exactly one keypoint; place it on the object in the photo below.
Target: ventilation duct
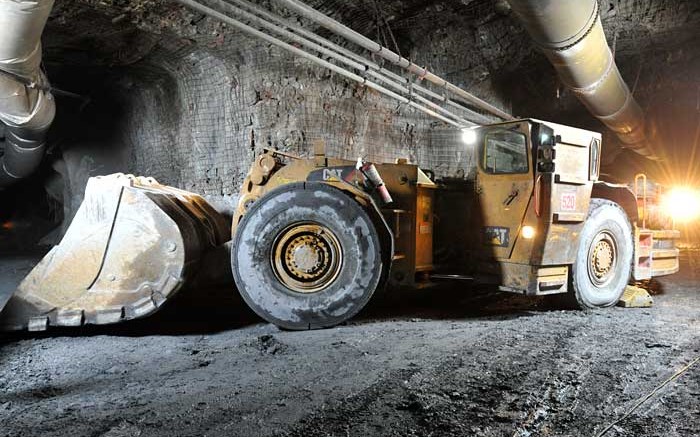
(27, 108)
(571, 35)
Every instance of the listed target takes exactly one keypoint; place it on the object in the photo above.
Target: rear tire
(604, 257)
(306, 256)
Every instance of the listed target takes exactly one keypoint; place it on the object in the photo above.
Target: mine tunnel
(322, 217)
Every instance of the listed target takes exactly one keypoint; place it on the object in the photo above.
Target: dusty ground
(448, 362)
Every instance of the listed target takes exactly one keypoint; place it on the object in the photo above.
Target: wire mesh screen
(448, 155)
(198, 117)
(202, 104)
(200, 110)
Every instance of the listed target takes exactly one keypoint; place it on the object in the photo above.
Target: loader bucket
(129, 248)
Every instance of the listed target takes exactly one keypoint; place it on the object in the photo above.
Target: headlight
(469, 136)
(681, 204)
(528, 232)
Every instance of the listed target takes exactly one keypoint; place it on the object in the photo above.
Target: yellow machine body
(517, 227)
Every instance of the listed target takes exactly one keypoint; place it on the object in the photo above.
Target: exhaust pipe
(27, 108)
(570, 34)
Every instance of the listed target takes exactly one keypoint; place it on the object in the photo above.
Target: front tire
(306, 256)
(604, 257)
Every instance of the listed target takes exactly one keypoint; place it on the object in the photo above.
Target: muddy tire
(306, 256)
(604, 257)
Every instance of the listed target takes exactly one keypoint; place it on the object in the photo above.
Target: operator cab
(531, 190)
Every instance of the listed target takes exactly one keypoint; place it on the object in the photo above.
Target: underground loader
(314, 238)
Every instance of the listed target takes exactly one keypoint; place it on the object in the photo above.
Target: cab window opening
(504, 152)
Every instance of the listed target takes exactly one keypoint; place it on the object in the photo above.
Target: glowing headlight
(528, 232)
(469, 136)
(682, 204)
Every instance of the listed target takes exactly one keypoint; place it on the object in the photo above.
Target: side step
(655, 253)
(130, 247)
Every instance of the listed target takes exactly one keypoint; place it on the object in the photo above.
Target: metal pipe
(570, 34)
(344, 31)
(301, 31)
(337, 56)
(27, 109)
(369, 65)
(322, 62)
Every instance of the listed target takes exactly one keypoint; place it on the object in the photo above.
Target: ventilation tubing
(27, 107)
(570, 34)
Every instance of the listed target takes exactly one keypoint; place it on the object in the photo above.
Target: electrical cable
(648, 396)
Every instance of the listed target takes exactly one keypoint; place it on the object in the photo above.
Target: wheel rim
(306, 257)
(602, 259)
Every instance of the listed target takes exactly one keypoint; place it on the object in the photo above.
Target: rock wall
(198, 100)
(203, 100)
(200, 122)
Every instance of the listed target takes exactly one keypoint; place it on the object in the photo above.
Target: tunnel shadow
(211, 304)
(654, 287)
(193, 311)
(449, 302)
(215, 309)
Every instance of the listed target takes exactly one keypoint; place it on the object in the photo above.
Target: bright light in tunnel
(469, 136)
(528, 232)
(682, 203)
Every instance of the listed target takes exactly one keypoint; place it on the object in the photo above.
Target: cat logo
(333, 174)
(496, 236)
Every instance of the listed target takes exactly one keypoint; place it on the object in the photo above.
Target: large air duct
(571, 35)
(27, 108)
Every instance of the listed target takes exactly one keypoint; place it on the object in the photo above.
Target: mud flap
(129, 248)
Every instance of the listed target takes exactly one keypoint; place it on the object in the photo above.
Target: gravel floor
(433, 363)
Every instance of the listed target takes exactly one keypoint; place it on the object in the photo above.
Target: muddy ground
(455, 361)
